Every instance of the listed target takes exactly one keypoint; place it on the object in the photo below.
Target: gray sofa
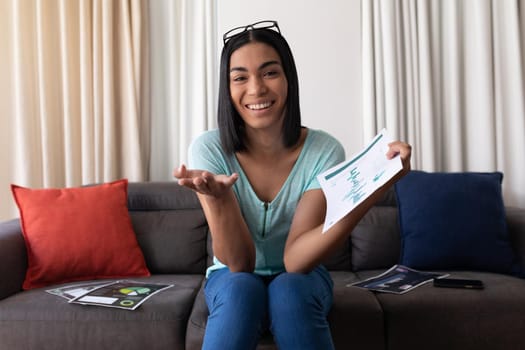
(172, 232)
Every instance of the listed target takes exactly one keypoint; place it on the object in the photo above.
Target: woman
(256, 180)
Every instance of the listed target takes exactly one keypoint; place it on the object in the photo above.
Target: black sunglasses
(257, 25)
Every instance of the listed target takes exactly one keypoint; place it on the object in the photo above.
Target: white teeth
(259, 106)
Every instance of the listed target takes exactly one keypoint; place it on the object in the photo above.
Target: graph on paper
(349, 183)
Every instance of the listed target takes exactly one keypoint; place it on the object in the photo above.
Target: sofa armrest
(13, 258)
(516, 226)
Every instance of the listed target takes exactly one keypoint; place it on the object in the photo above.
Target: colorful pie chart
(134, 290)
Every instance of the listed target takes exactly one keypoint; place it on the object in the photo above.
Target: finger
(201, 185)
(230, 180)
(405, 150)
(183, 171)
(180, 171)
(214, 184)
(398, 148)
(185, 182)
(392, 152)
(207, 177)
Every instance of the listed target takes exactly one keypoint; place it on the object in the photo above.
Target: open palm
(205, 182)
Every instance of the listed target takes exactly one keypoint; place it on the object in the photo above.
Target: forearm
(231, 239)
(306, 250)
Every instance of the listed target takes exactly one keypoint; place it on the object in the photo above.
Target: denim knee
(298, 308)
(237, 305)
(296, 290)
(238, 287)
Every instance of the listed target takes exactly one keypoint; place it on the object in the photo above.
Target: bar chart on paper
(349, 183)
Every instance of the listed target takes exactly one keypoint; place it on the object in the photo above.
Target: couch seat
(35, 319)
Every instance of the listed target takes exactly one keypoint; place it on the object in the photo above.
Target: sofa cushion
(170, 225)
(376, 240)
(454, 221)
(455, 318)
(75, 234)
(35, 319)
(516, 226)
(340, 259)
(356, 318)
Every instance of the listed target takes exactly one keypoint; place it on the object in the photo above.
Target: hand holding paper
(349, 183)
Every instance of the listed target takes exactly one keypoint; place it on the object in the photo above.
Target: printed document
(349, 183)
(128, 295)
(398, 279)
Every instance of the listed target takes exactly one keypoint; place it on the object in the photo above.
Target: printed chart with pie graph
(121, 294)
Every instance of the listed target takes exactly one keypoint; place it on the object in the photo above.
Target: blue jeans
(293, 306)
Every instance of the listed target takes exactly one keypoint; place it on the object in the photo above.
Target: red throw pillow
(75, 234)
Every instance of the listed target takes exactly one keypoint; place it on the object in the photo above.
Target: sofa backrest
(170, 226)
(172, 231)
(375, 241)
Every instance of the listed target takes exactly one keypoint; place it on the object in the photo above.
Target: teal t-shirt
(269, 223)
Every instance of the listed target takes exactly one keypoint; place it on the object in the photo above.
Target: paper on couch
(349, 183)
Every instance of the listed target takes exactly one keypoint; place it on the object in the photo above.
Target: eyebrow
(262, 66)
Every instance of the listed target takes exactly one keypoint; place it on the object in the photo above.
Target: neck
(261, 142)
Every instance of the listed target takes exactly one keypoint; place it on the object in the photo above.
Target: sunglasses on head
(257, 25)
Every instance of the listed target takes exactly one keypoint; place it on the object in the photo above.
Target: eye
(238, 78)
(271, 73)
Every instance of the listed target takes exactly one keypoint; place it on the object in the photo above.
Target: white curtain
(78, 83)
(184, 74)
(448, 76)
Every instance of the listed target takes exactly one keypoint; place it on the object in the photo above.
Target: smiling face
(258, 86)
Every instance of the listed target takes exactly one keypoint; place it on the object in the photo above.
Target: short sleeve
(205, 153)
(325, 152)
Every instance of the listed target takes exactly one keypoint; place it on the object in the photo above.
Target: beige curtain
(78, 101)
(449, 77)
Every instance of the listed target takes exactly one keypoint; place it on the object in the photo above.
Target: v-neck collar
(288, 178)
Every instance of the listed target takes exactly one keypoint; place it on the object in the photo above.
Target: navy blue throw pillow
(454, 221)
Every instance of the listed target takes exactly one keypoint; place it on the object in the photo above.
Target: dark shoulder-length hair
(231, 125)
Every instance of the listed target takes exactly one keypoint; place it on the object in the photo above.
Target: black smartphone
(458, 283)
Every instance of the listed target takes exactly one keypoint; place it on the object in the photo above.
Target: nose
(256, 86)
